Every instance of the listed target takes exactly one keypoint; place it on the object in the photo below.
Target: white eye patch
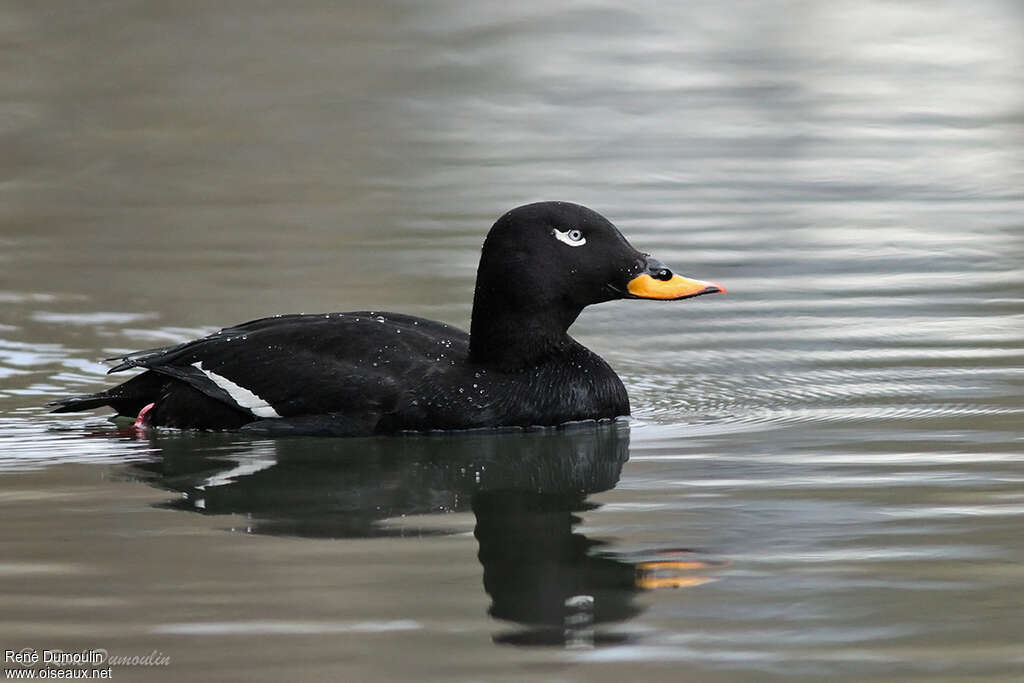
(574, 237)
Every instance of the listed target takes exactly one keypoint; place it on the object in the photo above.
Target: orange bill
(643, 286)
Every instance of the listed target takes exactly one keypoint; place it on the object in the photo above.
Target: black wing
(352, 364)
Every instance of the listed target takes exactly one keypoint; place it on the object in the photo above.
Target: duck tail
(127, 398)
(71, 404)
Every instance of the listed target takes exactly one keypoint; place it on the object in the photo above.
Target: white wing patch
(242, 396)
(574, 238)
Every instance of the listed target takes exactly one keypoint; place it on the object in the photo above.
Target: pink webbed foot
(140, 420)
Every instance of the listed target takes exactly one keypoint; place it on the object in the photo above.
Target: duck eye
(574, 237)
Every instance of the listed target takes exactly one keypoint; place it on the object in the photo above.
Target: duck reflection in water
(525, 490)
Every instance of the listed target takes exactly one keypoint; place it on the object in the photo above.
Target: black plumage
(370, 372)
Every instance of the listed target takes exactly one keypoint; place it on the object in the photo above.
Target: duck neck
(513, 337)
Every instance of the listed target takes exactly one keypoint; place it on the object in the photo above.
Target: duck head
(543, 263)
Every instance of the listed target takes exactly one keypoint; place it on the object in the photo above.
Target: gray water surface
(823, 474)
